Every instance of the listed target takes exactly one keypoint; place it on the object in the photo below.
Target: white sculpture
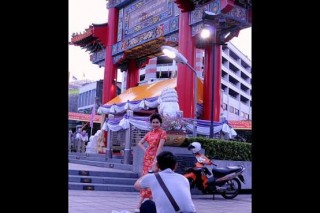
(168, 100)
(92, 146)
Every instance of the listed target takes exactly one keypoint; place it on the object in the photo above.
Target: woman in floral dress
(155, 140)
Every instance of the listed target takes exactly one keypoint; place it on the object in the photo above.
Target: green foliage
(73, 92)
(223, 150)
(246, 134)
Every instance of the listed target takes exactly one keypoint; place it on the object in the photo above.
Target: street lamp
(208, 33)
(174, 54)
(221, 34)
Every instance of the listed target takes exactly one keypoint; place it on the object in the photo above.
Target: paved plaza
(105, 201)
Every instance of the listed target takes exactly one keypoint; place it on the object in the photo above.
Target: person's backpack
(148, 206)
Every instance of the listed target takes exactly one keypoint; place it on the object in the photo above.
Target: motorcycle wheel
(233, 189)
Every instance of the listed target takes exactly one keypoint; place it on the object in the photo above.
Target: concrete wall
(247, 173)
(186, 159)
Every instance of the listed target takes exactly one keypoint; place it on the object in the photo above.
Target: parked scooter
(209, 178)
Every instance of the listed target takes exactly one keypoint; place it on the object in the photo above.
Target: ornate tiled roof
(188, 5)
(78, 37)
(93, 39)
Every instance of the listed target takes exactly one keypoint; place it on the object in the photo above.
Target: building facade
(235, 84)
(74, 90)
(89, 94)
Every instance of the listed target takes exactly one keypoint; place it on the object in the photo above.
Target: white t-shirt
(178, 186)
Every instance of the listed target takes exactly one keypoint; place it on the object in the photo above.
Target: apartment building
(89, 94)
(235, 84)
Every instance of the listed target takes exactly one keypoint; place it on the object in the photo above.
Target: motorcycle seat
(225, 170)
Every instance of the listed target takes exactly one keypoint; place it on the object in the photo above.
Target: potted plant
(175, 127)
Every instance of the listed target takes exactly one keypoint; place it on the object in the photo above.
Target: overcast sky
(83, 13)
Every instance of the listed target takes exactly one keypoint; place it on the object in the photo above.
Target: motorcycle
(209, 178)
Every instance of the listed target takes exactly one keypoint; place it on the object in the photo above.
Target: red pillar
(110, 70)
(185, 74)
(217, 83)
(207, 84)
(133, 74)
(212, 59)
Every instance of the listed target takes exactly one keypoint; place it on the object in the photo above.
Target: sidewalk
(82, 201)
(106, 201)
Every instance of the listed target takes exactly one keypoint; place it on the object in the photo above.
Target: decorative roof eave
(227, 5)
(96, 34)
(149, 49)
(100, 31)
(244, 3)
(78, 37)
(189, 5)
(186, 5)
(94, 46)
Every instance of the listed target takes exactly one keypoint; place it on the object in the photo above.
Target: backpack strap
(165, 189)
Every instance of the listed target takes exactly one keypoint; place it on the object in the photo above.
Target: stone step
(96, 158)
(87, 154)
(101, 187)
(101, 180)
(92, 158)
(127, 167)
(106, 180)
(115, 160)
(94, 155)
(102, 174)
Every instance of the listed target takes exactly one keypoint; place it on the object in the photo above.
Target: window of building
(81, 100)
(224, 106)
(242, 114)
(231, 109)
(163, 74)
(236, 111)
(246, 116)
(86, 98)
(142, 77)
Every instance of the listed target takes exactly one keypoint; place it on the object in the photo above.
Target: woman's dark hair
(156, 116)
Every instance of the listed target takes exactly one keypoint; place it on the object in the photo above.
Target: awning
(84, 117)
(242, 124)
(151, 90)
